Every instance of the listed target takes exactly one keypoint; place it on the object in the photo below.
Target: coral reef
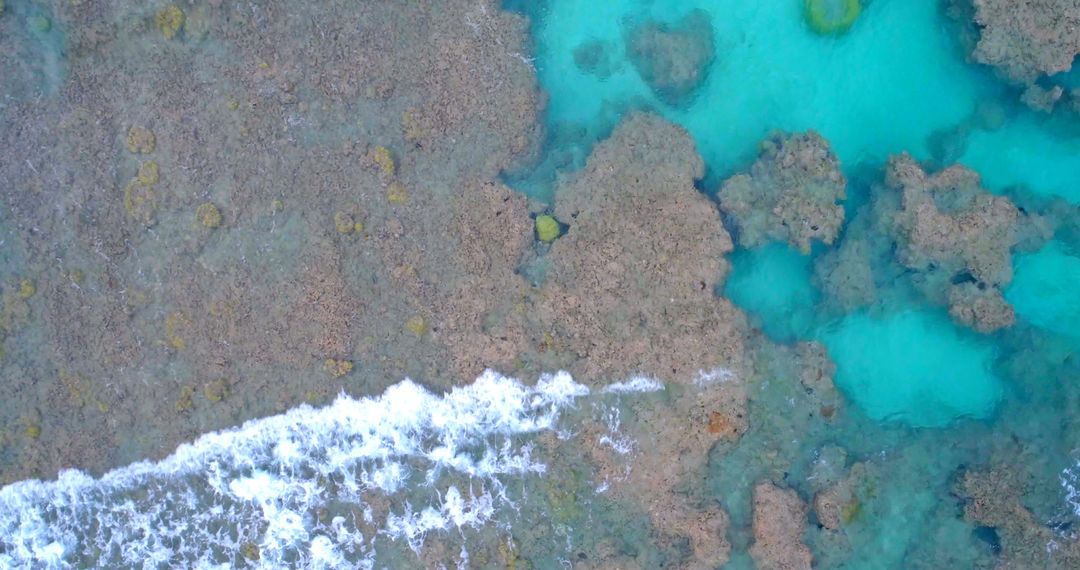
(1027, 40)
(630, 287)
(595, 58)
(673, 59)
(792, 193)
(694, 421)
(955, 234)
(993, 498)
(275, 290)
(779, 520)
(983, 309)
(836, 504)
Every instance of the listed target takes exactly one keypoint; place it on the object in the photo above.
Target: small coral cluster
(959, 236)
(1027, 42)
(793, 193)
(140, 200)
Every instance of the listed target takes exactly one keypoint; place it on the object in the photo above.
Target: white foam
(1070, 481)
(717, 375)
(260, 483)
(637, 384)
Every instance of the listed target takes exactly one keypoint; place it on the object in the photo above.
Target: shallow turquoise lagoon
(1046, 291)
(913, 367)
(896, 77)
(896, 81)
(772, 284)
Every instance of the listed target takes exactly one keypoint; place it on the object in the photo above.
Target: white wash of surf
(258, 484)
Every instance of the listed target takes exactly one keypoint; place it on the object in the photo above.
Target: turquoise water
(926, 393)
(896, 79)
(1045, 291)
(772, 284)
(913, 367)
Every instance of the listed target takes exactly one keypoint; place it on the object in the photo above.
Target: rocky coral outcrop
(994, 499)
(779, 522)
(983, 309)
(673, 59)
(1027, 39)
(954, 232)
(793, 193)
(630, 287)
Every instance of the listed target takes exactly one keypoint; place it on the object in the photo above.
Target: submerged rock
(779, 522)
(983, 309)
(994, 499)
(954, 232)
(595, 58)
(792, 193)
(1026, 40)
(831, 16)
(673, 59)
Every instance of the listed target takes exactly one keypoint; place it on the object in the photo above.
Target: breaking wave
(299, 489)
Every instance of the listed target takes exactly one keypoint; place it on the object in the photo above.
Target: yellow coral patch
(169, 20)
(344, 223)
(185, 402)
(148, 173)
(140, 202)
(173, 323)
(382, 158)
(141, 140)
(416, 325)
(216, 390)
(337, 368)
(396, 193)
(26, 289)
(208, 215)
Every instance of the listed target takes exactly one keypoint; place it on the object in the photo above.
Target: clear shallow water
(368, 481)
(893, 82)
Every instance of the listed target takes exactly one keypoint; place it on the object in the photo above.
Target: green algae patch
(547, 228)
(1045, 291)
(772, 284)
(828, 17)
(913, 367)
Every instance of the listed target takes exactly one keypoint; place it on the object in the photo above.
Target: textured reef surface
(601, 285)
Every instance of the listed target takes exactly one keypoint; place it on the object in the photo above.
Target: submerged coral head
(828, 17)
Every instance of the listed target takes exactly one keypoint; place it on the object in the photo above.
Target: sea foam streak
(259, 484)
